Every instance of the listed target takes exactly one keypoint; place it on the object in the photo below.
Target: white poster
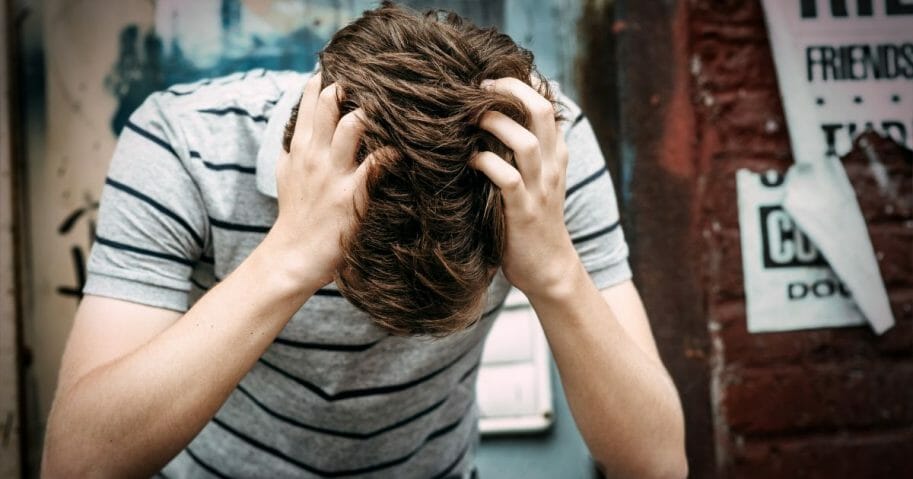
(843, 66)
(788, 283)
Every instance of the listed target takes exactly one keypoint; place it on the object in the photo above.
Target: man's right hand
(319, 185)
(138, 383)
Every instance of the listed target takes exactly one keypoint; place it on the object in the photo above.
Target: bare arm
(138, 383)
(621, 396)
(622, 399)
(125, 413)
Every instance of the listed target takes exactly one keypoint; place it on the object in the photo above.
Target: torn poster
(843, 67)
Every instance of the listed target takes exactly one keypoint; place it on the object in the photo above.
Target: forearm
(622, 399)
(129, 417)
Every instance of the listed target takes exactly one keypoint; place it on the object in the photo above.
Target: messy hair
(426, 247)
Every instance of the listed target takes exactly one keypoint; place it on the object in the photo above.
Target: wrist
(563, 283)
(292, 262)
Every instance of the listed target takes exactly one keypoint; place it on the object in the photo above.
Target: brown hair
(432, 236)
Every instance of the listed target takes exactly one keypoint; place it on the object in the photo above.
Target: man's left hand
(539, 254)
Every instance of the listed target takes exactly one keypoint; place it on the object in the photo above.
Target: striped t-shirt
(191, 192)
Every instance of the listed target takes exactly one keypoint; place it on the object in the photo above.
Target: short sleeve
(152, 222)
(591, 207)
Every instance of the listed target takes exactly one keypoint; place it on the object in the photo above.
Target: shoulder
(253, 87)
(586, 159)
(569, 109)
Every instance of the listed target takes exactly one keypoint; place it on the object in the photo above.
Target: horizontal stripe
(589, 179)
(597, 233)
(328, 292)
(212, 470)
(251, 170)
(487, 313)
(352, 434)
(449, 468)
(372, 391)
(149, 136)
(233, 110)
(135, 249)
(350, 347)
(362, 470)
(158, 206)
(327, 347)
(226, 225)
(577, 120)
(187, 92)
(207, 259)
(198, 284)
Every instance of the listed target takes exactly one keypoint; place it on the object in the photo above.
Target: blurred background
(681, 93)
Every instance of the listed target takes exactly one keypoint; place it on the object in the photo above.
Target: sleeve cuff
(610, 274)
(136, 292)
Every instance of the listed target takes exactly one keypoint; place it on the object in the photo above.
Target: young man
(420, 160)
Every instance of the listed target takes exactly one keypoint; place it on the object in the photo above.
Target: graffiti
(135, 74)
(83, 214)
(188, 45)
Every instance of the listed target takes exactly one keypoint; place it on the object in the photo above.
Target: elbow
(64, 454)
(54, 460)
(675, 467)
(54, 465)
(653, 467)
(60, 462)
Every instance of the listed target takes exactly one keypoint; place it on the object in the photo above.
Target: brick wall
(826, 403)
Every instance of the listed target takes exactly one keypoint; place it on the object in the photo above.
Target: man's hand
(622, 399)
(539, 252)
(319, 185)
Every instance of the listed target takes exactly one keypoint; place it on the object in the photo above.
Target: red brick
(892, 200)
(724, 276)
(817, 346)
(854, 394)
(739, 12)
(848, 454)
(744, 122)
(894, 251)
(726, 66)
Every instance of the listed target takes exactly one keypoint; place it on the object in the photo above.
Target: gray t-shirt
(191, 192)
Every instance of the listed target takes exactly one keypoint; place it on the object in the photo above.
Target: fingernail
(486, 84)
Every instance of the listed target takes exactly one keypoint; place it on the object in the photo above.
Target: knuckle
(328, 94)
(542, 108)
(351, 121)
(528, 145)
(513, 181)
(299, 145)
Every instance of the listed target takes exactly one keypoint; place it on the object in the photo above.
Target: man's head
(431, 237)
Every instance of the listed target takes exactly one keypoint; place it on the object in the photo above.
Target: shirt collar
(271, 142)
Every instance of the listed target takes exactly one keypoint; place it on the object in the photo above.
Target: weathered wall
(10, 411)
(698, 100)
(87, 65)
(822, 403)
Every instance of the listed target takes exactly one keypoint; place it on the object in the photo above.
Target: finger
(326, 116)
(347, 137)
(524, 144)
(304, 121)
(541, 111)
(504, 176)
(361, 173)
